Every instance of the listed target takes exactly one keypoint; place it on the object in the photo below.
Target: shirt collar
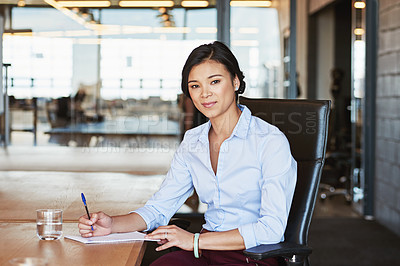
(241, 129)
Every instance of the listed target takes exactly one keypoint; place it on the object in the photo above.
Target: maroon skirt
(210, 257)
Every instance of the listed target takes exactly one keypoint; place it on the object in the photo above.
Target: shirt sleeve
(175, 189)
(279, 171)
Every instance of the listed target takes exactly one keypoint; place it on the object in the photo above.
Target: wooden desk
(121, 127)
(20, 240)
(21, 193)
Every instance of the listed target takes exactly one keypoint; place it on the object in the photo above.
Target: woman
(240, 165)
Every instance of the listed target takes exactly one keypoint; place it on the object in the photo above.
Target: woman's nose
(205, 92)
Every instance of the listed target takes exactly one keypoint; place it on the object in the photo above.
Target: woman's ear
(236, 83)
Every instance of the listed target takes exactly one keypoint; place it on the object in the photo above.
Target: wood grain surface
(22, 193)
(20, 240)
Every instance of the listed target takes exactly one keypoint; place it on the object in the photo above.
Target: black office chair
(335, 177)
(305, 124)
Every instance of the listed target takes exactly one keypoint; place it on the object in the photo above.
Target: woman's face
(212, 89)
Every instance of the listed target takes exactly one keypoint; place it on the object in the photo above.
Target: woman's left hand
(172, 236)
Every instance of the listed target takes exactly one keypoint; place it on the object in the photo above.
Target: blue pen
(87, 211)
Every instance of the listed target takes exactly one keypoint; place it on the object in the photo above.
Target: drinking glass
(49, 224)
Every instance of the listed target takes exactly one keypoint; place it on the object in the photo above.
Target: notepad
(111, 238)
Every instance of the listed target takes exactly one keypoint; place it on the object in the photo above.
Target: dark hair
(218, 52)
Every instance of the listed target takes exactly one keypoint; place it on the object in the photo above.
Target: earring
(236, 89)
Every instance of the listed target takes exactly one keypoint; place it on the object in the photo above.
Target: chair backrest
(305, 124)
(52, 115)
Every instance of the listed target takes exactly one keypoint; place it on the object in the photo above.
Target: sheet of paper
(112, 238)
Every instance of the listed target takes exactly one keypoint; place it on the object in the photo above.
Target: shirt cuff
(248, 233)
(147, 216)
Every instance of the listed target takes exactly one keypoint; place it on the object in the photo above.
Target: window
(255, 41)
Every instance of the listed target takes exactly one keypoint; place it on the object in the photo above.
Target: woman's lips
(209, 104)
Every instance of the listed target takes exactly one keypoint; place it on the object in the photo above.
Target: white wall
(283, 8)
(302, 43)
(325, 52)
(84, 65)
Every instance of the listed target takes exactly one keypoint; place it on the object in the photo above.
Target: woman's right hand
(102, 224)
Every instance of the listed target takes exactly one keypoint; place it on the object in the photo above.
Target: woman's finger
(87, 235)
(160, 234)
(85, 230)
(158, 237)
(165, 246)
(162, 241)
(83, 219)
(83, 226)
(163, 228)
(96, 216)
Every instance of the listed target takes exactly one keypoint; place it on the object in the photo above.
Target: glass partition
(128, 64)
(81, 68)
(256, 42)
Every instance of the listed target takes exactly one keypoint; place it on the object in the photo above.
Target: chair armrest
(282, 249)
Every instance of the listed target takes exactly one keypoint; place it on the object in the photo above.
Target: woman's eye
(215, 82)
(194, 86)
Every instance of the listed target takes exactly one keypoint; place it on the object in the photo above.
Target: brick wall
(387, 177)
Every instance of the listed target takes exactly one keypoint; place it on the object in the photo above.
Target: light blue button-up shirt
(253, 187)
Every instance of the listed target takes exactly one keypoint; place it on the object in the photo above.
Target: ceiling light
(359, 31)
(251, 3)
(359, 4)
(127, 3)
(21, 3)
(136, 29)
(248, 30)
(194, 3)
(206, 30)
(171, 30)
(50, 33)
(76, 33)
(101, 3)
(66, 12)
